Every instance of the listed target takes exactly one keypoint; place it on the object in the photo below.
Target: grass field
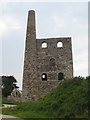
(5, 101)
(68, 100)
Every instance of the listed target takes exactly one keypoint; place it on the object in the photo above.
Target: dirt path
(7, 117)
(7, 105)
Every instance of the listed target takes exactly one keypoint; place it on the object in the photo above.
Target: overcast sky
(52, 20)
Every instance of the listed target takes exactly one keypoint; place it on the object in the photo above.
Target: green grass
(68, 100)
(5, 101)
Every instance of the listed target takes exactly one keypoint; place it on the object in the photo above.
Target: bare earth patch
(7, 105)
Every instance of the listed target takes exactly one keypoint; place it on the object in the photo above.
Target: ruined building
(46, 63)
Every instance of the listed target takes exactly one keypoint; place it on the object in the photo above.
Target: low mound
(68, 100)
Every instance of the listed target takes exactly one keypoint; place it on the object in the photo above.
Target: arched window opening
(44, 77)
(52, 62)
(44, 45)
(60, 76)
(59, 44)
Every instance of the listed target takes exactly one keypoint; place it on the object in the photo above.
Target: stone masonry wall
(62, 56)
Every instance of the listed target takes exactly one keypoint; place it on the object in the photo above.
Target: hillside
(68, 100)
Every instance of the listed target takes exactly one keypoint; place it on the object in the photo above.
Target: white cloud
(58, 22)
(9, 23)
(81, 63)
(71, 24)
(81, 69)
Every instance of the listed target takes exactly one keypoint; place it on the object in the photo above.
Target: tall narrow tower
(29, 74)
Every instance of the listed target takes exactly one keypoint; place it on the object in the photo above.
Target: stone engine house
(46, 63)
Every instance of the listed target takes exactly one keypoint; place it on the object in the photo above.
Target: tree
(8, 84)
